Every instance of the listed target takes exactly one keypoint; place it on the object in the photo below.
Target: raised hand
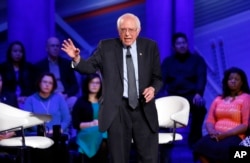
(69, 48)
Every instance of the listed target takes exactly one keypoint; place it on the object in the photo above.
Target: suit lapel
(119, 59)
(140, 56)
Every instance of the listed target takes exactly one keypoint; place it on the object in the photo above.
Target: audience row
(20, 76)
(55, 91)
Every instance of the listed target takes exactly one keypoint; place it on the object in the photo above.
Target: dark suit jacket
(108, 58)
(67, 74)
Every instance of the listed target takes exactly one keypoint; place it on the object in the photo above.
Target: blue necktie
(132, 90)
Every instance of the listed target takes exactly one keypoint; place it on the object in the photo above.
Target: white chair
(14, 119)
(173, 112)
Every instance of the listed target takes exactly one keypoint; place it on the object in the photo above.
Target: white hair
(137, 21)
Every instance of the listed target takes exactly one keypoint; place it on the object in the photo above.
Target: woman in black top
(91, 142)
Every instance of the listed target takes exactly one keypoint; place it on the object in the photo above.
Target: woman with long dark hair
(17, 72)
(90, 141)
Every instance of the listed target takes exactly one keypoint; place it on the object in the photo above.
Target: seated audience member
(17, 72)
(46, 101)
(9, 99)
(5, 135)
(67, 84)
(5, 156)
(227, 119)
(84, 119)
(185, 74)
(5, 96)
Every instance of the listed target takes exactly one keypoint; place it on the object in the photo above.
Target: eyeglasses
(129, 30)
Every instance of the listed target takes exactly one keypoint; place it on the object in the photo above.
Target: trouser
(131, 124)
(196, 122)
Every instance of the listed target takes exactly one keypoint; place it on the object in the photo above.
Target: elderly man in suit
(124, 115)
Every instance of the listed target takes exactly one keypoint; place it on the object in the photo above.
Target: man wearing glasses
(130, 67)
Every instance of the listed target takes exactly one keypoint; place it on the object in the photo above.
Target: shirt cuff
(73, 64)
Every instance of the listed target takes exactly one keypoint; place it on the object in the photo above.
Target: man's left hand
(149, 94)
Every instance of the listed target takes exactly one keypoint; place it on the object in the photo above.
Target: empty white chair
(14, 119)
(173, 112)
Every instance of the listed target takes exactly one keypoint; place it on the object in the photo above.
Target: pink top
(227, 114)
